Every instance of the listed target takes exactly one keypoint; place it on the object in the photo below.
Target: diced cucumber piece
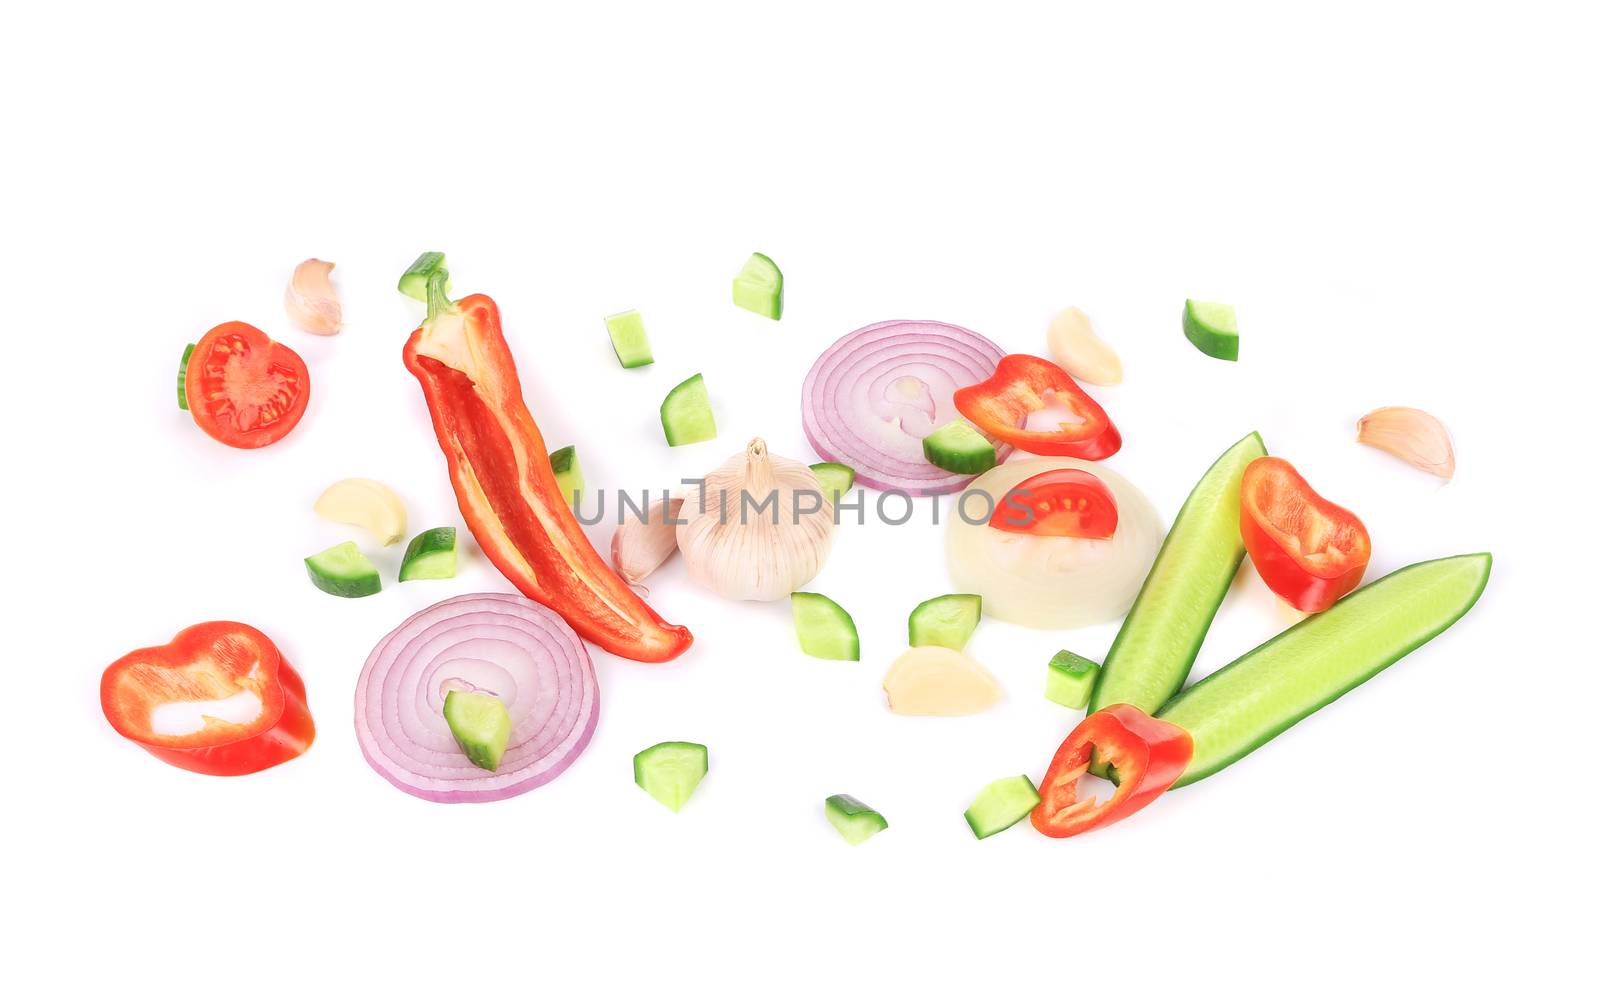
(759, 287)
(835, 479)
(183, 377)
(1156, 646)
(430, 555)
(669, 771)
(853, 819)
(686, 414)
(958, 447)
(825, 629)
(1291, 675)
(344, 571)
(947, 621)
(628, 339)
(481, 725)
(569, 476)
(414, 282)
(1001, 804)
(1212, 328)
(1070, 679)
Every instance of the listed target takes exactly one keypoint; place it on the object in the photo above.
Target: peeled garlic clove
(365, 503)
(933, 680)
(1412, 435)
(310, 300)
(1080, 352)
(640, 546)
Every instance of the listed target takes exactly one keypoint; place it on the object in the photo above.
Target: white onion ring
(501, 643)
(862, 405)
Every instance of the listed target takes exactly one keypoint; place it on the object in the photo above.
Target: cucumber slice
(480, 724)
(1070, 679)
(414, 282)
(835, 479)
(825, 629)
(947, 621)
(853, 819)
(1291, 675)
(569, 476)
(686, 414)
(759, 287)
(1157, 644)
(628, 339)
(669, 771)
(1212, 328)
(1001, 804)
(958, 447)
(430, 555)
(183, 374)
(344, 571)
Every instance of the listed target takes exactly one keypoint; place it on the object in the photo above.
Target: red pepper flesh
(1066, 502)
(1308, 550)
(500, 469)
(1146, 756)
(1000, 406)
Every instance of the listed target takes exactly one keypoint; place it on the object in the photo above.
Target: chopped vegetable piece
(1275, 685)
(957, 447)
(564, 464)
(480, 723)
(1080, 352)
(628, 339)
(243, 389)
(344, 571)
(1066, 502)
(1001, 804)
(219, 699)
(759, 287)
(364, 503)
(183, 371)
(947, 621)
(1022, 385)
(853, 819)
(933, 680)
(835, 479)
(686, 414)
(1308, 550)
(414, 282)
(1146, 756)
(1412, 435)
(825, 629)
(1212, 328)
(670, 771)
(1070, 679)
(430, 555)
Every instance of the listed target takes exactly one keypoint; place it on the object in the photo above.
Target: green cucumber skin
(660, 771)
(853, 819)
(1282, 673)
(959, 448)
(1148, 663)
(430, 555)
(824, 629)
(183, 377)
(1216, 344)
(686, 415)
(343, 571)
(1001, 805)
(947, 621)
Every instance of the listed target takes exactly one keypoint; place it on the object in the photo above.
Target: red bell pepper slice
(509, 497)
(1308, 550)
(233, 669)
(1066, 502)
(1146, 756)
(1022, 385)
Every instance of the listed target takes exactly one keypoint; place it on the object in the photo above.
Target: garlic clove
(364, 503)
(1412, 435)
(310, 300)
(1080, 352)
(933, 680)
(639, 547)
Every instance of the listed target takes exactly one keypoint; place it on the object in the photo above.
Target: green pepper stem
(438, 302)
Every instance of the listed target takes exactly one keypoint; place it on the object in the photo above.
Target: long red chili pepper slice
(1147, 755)
(1308, 550)
(500, 469)
(1000, 406)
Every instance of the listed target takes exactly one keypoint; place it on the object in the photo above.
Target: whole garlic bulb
(758, 529)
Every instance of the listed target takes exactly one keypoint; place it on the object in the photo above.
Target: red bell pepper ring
(1308, 550)
(509, 497)
(1066, 502)
(1000, 406)
(211, 663)
(1146, 756)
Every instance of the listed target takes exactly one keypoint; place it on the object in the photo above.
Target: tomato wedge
(218, 699)
(244, 389)
(1022, 385)
(1146, 756)
(1308, 550)
(1066, 502)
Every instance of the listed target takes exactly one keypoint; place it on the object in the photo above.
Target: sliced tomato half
(244, 389)
(1066, 502)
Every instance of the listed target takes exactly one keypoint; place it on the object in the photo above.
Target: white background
(1401, 201)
